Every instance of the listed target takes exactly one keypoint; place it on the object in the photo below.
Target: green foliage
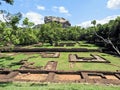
(53, 32)
(110, 30)
(93, 22)
(26, 23)
(5, 34)
(50, 33)
(27, 36)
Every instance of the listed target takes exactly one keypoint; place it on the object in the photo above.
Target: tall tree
(106, 40)
(50, 32)
(27, 23)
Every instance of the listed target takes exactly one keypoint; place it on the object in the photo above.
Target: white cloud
(102, 21)
(41, 7)
(113, 4)
(35, 17)
(107, 19)
(1, 18)
(85, 24)
(61, 9)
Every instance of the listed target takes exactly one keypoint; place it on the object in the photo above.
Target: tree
(106, 40)
(14, 20)
(6, 36)
(27, 23)
(11, 21)
(73, 33)
(27, 36)
(50, 32)
(8, 1)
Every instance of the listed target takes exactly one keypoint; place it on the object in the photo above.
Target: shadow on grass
(2, 66)
(14, 64)
(5, 84)
(9, 66)
(38, 84)
(25, 85)
(6, 58)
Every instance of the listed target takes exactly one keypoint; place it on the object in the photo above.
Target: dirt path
(51, 65)
(29, 76)
(71, 64)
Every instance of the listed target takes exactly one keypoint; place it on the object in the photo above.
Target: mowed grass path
(48, 86)
(63, 63)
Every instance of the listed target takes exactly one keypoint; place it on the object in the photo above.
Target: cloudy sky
(78, 12)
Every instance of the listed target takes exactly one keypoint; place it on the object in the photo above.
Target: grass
(82, 44)
(92, 66)
(63, 63)
(51, 86)
(9, 61)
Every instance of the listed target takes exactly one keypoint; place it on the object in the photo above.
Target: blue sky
(78, 12)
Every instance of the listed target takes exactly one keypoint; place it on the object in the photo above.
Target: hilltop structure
(65, 23)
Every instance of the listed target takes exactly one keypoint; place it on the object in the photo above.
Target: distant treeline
(11, 34)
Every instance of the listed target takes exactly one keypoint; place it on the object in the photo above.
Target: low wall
(100, 77)
(50, 50)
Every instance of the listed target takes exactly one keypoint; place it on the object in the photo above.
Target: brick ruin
(66, 44)
(50, 54)
(92, 59)
(48, 73)
(99, 77)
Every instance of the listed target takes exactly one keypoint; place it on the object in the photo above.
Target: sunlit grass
(82, 44)
(51, 86)
(63, 63)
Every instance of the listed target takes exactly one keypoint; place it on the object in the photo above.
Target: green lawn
(63, 64)
(10, 58)
(82, 44)
(51, 86)
(8, 61)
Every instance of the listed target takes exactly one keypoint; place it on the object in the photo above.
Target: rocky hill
(61, 20)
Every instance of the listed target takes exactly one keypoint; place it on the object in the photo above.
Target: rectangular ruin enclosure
(67, 77)
(51, 65)
(62, 76)
(107, 76)
(3, 75)
(92, 59)
(31, 77)
(111, 77)
(66, 44)
(50, 54)
(94, 76)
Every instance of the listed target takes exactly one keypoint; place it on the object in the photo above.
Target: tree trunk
(108, 41)
(115, 48)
